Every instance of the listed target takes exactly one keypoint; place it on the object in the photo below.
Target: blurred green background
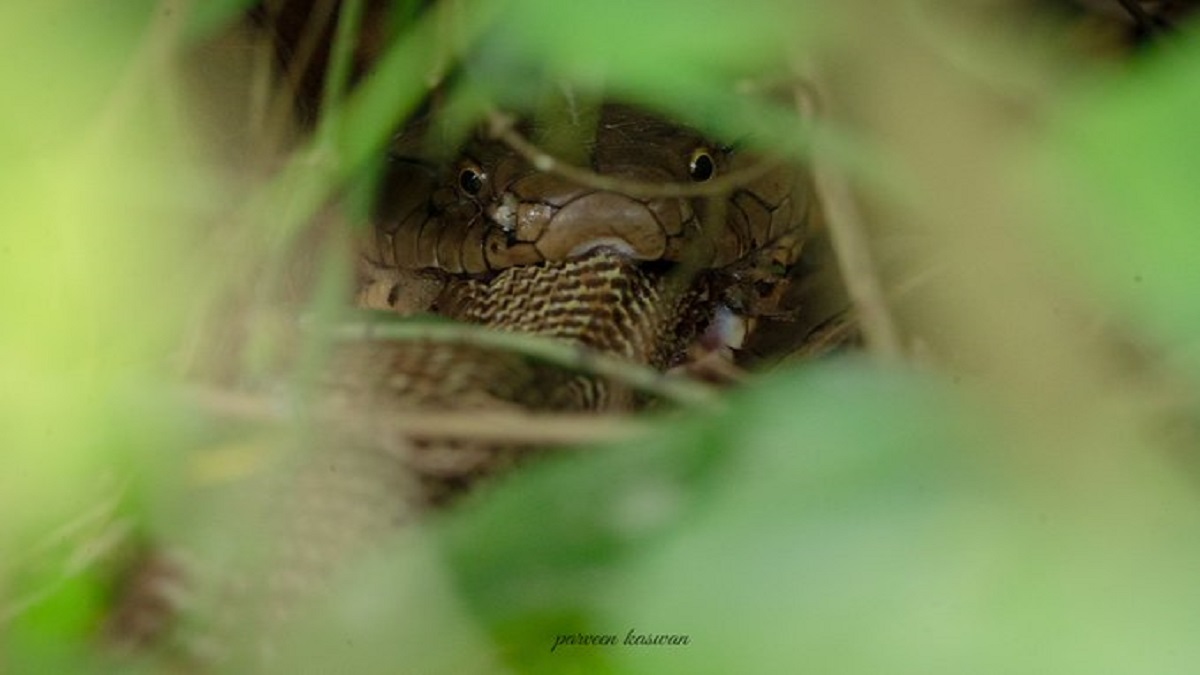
(1012, 490)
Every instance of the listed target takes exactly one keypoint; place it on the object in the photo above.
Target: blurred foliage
(1025, 501)
(1131, 203)
(847, 521)
(91, 172)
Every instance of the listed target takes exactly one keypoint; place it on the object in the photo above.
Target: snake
(491, 209)
(643, 264)
(635, 260)
(622, 264)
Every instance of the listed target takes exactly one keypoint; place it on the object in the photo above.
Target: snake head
(495, 207)
(561, 218)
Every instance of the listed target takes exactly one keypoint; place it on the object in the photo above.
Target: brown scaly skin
(644, 297)
(489, 209)
(486, 238)
(602, 301)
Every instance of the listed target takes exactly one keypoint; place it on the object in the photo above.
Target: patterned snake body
(490, 240)
(492, 209)
(627, 264)
(617, 264)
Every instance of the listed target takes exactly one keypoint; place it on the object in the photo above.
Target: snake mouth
(618, 249)
(614, 248)
(613, 245)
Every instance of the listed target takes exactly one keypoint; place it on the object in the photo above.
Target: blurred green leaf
(61, 63)
(97, 192)
(658, 42)
(207, 17)
(392, 611)
(840, 521)
(412, 65)
(540, 558)
(1123, 167)
(691, 60)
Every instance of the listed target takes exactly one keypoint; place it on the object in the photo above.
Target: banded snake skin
(486, 238)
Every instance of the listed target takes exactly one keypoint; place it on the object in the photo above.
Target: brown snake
(488, 239)
(492, 210)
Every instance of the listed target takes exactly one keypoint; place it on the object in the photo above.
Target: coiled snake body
(624, 263)
(487, 238)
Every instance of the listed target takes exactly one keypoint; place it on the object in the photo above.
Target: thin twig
(514, 427)
(504, 426)
(852, 247)
(283, 106)
(567, 355)
(77, 545)
(1139, 15)
(502, 127)
(337, 73)
(826, 338)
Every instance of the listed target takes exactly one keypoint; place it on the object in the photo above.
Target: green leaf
(1123, 165)
(839, 520)
(208, 17)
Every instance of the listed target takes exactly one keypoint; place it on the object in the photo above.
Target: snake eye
(471, 179)
(702, 167)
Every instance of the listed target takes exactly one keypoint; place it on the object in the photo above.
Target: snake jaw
(615, 245)
(603, 219)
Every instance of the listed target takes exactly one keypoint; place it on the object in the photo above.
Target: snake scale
(487, 238)
(483, 236)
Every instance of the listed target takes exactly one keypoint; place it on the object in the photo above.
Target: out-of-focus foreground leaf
(97, 187)
(841, 521)
(1127, 158)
